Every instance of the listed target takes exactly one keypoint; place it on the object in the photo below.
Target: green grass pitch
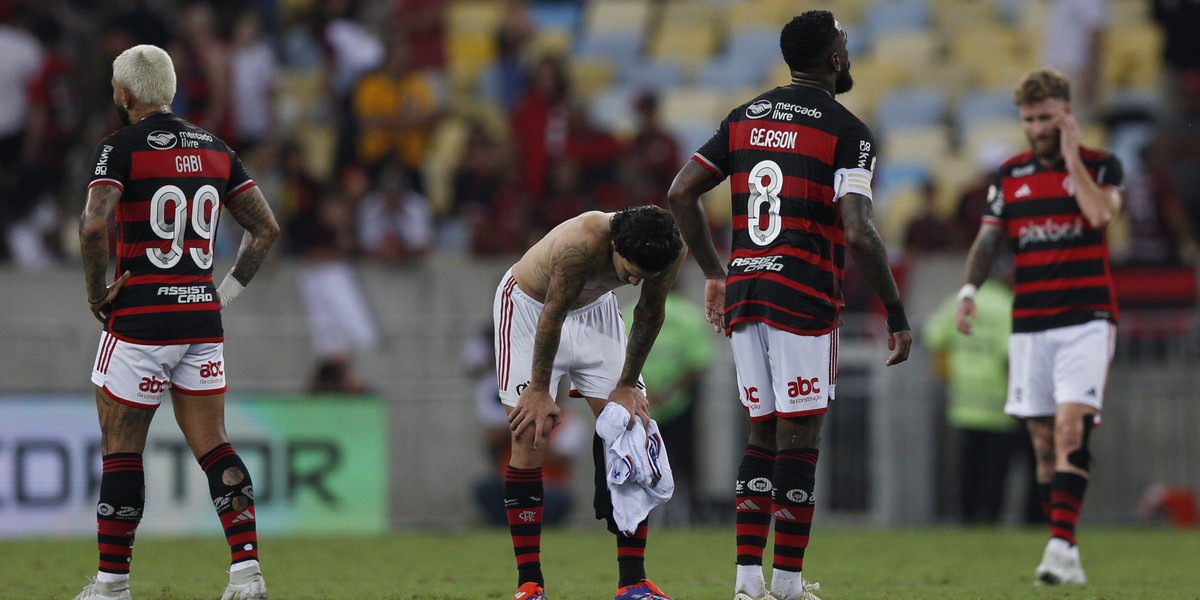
(696, 564)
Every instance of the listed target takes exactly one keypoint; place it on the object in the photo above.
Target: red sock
(631, 556)
(1066, 499)
(122, 500)
(795, 477)
(753, 497)
(523, 501)
(233, 497)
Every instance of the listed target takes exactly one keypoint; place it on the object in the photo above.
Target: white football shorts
(140, 374)
(1064, 364)
(782, 373)
(591, 349)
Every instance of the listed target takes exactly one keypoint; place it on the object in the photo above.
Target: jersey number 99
(203, 222)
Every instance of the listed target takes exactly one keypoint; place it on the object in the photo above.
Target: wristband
(896, 321)
(967, 291)
(230, 288)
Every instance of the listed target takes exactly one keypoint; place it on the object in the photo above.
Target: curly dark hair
(647, 236)
(808, 38)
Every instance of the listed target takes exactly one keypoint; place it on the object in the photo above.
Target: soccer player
(166, 180)
(555, 315)
(800, 169)
(1052, 204)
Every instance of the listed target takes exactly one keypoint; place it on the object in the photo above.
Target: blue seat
(981, 106)
(897, 15)
(652, 75)
(621, 48)
(733, 71)
(557, 15)
(911, 107)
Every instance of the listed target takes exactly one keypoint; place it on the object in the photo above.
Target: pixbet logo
(212, 369)
(803, 387)
(152, 385)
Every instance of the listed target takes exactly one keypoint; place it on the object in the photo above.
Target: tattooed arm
(979, 264)
(569, 268)
(93, 247)
(251, 211)
(648, 318)
(870, 256)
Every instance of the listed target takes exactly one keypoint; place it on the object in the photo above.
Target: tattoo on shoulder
(250, 209)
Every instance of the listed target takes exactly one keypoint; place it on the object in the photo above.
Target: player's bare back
(585, 238)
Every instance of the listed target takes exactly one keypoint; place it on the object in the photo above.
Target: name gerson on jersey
(174, 178)
(781, 151)
(1062, 276)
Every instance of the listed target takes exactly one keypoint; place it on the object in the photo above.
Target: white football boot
(246, 584)
(100, 590)
(1060, 565)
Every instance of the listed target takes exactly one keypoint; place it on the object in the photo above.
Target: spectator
(202, 62)
(566, 441)
(22, 60)
(394, 107)
(1160, 229)
(395, 223)
(504, 81)
(927, 231)
(674, 376)
(1179, 21)
(650, 158)
(421, 25)
(54, 122)
(539, 125)
(486, 198)
(1072, 42)
(973, 199)
(975, 370)
(254, 76)
(340, 321)
(595, 154)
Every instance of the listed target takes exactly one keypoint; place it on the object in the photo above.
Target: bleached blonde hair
(148, 73)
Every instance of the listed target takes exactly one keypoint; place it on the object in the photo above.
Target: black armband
(896, 320)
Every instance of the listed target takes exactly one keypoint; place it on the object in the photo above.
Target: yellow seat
(467, 55)
(617, 15)
(1132, 56)
(686, 107)
(915, 55)
(589, 76)
(928, 146)
(688, 45)
(473, 17)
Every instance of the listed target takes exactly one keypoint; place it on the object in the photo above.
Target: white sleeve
(847, 181)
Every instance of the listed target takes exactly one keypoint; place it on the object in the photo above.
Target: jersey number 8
(203, 221)
(766, 181)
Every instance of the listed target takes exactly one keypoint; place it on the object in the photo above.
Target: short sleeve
(995, 200)
(110, 163)
(714, 154)
(1111, 173)
(855, 148)
(239, 180)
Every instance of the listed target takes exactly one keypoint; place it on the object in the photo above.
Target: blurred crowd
(346, 114)
(337, 109)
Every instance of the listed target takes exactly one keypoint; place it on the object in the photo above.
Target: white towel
(638, 472)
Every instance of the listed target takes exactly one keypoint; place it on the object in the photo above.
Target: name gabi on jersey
(187, 294)
(1049, 231)
(770, 138)
(758, 263)
(188, 163)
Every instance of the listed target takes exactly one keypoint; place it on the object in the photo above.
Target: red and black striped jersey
(173, 178)
(781, 151)
(1062, 271)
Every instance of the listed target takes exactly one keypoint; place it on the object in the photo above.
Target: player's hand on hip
(964, 316)
(714, 303)
(101, 306)
(535, 409)
(900, 343)
(634, 401)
